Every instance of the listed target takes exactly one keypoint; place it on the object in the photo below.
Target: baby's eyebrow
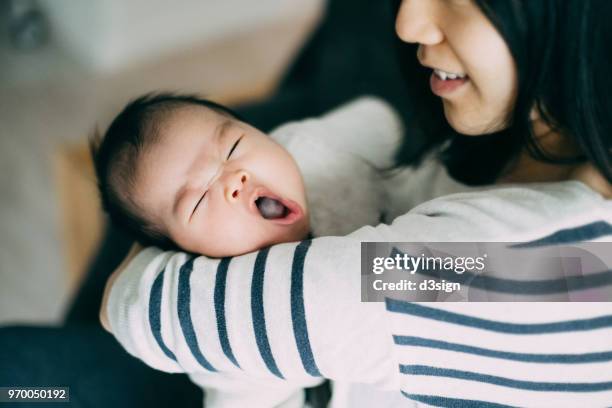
(220, 133)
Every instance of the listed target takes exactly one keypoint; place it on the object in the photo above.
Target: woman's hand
(136, 248)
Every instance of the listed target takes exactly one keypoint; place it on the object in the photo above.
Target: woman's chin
(464, 125)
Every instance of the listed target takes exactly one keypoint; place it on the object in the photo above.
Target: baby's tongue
(270, 208)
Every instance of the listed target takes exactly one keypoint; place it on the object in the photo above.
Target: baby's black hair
(115, 156)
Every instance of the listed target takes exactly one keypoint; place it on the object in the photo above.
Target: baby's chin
(293, 233)
(222, 248)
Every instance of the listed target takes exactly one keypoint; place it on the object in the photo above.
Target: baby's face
(206, 182)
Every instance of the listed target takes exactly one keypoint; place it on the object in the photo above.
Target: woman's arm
(294, 312)
(136, 248)
(290, 312)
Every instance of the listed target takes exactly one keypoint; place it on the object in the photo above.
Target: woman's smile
(444, 83)
(473, 70)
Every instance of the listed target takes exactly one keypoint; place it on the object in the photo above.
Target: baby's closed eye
(234, 147)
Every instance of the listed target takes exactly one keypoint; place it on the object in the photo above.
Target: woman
(524, 89)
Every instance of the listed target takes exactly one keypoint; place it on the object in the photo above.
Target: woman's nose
(415, 22)
(235, 184)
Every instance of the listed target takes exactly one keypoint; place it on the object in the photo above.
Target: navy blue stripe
(298, 314)
(522, 287)
(155, 314)
(184, 314)
(414, 309)
(257, 309)
(586, 232)
(438, 401)
(503, 381)
(506, 355)
(219, 299)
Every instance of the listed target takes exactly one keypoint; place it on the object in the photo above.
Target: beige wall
(110, 34)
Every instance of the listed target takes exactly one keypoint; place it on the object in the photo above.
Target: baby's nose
(235, 185)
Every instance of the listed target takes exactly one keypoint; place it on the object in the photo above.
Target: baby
(181, 171)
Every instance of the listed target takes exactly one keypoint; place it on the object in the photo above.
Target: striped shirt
(291, 314)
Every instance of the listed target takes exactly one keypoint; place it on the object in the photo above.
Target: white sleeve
(368, 128)
(340, 156)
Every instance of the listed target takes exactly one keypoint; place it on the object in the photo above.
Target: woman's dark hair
(115, 155)
(563, 57)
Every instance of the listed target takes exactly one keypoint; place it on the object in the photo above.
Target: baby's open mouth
(274, 208)
(271, 209)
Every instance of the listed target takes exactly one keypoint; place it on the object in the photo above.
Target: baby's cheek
(242, 235)
(199, 236)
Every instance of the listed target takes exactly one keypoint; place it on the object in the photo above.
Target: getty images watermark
(486, 271)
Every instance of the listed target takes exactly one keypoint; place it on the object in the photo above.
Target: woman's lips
(295, 210)
(443, 87)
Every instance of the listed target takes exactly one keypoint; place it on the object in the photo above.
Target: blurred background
(67, 67)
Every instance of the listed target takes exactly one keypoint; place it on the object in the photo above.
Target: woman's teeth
(443, 75)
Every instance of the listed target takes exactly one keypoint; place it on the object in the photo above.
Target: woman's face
(472, 68)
